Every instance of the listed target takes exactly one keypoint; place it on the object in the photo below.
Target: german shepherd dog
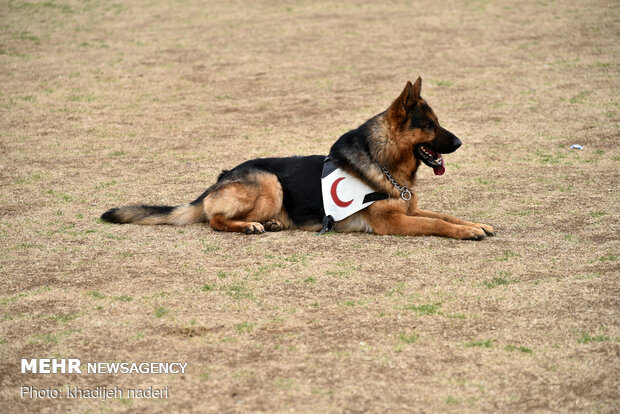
(273, 194)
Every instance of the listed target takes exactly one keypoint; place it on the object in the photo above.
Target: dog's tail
(176, 215)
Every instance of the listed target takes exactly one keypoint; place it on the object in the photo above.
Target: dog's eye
(428, 125)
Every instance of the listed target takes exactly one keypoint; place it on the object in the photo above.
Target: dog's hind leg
(273, 225)
(220, 222)
(250, 204)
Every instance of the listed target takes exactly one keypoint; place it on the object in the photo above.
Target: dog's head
(414, 125)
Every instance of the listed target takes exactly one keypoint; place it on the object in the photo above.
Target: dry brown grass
(108, 103)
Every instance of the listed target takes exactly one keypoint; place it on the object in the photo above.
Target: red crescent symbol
(338, 201)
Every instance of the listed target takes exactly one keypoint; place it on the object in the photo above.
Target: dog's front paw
(253, 228)
(470, 233)
(487, 229)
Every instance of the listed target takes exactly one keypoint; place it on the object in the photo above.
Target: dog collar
(343, 194)
(405, 194)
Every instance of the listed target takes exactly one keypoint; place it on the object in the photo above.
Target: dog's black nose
(457, 143)
(445, 142)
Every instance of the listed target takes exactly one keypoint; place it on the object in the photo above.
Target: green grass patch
(44, 338)
(402, 253)
(343, 269)
(27, 36)
(208, 247)
(63, 197)
(549, 159)
(453, 315)
(96, 294)
(29, 246)
(398, 289)
(116, 154)
(485, 181)
(587, 338)
(580, 97)
(264, 269)
(244, 327)
(125, 401)
(80, 97)
(238, 292)
(111, 236)
(507, 254)
(568, 237)
(51, 338)
(28, 180)
(521, 213)
(481, 343)
(103, 185)
(160, 312)
(424, 309)
(450, 400)
(495, 282)
(64, 318)
(17, 296)
(297, 258)
(523, 349)
(409, 338)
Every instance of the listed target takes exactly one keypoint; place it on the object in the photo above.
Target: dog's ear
(417, 88)
(407, 98)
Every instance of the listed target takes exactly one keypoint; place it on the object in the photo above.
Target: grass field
(107, 103)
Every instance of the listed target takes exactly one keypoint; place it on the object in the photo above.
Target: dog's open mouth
(431, 158)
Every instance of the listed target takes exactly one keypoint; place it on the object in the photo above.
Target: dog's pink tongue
(440, 170)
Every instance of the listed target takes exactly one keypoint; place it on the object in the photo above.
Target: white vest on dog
(344, 194)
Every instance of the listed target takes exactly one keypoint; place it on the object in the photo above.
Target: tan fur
(354, 223)
(242, 207)
(181, 215)
(390, 217)
(450, 219)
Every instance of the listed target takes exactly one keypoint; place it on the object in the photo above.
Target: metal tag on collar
(405, 194)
